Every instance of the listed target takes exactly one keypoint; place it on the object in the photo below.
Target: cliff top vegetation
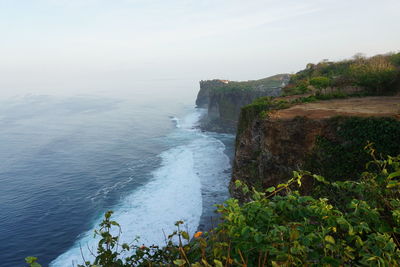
(275, 81)
(357, 77)
(378, 75)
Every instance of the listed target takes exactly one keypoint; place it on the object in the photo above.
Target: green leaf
(245, 189)
(205, 262)
(218, 263)
(394, 174)
(185, 235)
(125, 246)
(108, 214)
(32, 262)
(30, 259)
(320, 178)
(392, 184)
(270, 189)
(281, 185)
(114, 223)
(178, 223)
(238, 183)
(330, 239)
(180, 262)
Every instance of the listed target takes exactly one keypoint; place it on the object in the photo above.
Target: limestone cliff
(325, 137)
(224, 99)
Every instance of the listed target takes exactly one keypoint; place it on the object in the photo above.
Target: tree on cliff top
(320, 82)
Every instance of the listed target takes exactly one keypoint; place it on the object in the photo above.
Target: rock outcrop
(224, 99)
(269, 148)
(203, 97)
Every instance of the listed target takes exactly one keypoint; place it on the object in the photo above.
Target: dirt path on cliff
(382, 106)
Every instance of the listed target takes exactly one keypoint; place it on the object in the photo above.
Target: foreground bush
(360, 226)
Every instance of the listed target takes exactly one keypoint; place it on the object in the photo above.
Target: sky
(80, 46)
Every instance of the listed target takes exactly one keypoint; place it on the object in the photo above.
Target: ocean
(66, 160)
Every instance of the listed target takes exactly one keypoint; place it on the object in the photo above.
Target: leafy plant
(320, 82)
(376, 74)
(108, 248)
(340, 155)
(32, 261)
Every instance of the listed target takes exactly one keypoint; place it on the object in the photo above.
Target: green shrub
(377, 74)
(32, 261)
(320, 82)
(341, 155)
(260, 106)
(395, 59)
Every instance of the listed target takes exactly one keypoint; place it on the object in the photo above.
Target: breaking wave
(174, 192)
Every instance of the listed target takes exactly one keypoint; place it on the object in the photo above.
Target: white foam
(192, 120)
(176, 120)
(174, 193)
(103, 192)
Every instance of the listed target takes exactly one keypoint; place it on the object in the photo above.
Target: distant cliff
(325, 137)
(224, 99)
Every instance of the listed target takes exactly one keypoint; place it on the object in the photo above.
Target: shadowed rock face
(224, 99)
(203, 97)
(269, 149)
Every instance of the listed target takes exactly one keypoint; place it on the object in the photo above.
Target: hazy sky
(80, 45)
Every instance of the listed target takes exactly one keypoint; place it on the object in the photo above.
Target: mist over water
(65, 160)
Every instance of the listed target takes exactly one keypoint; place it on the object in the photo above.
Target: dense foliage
(359, 226)
(320, 82)
(339, 155)
(377, 75)
(261, 105)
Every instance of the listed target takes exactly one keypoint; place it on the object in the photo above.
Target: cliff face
(203, 97)
(224, 99)
(313, 137)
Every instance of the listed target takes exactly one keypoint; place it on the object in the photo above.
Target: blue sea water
(64, 161)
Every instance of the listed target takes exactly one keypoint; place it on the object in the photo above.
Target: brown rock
(270, 149)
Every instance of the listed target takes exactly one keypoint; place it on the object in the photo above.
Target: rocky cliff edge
(224, 99)
(325, 137)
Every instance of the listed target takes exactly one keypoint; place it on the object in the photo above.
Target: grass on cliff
(263, 84)
(378, 75)
(280, 227)
(261, 106)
